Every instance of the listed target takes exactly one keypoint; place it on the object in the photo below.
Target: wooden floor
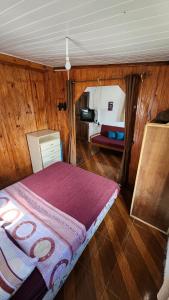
(100, 161)
(84, 151)
(124, 259)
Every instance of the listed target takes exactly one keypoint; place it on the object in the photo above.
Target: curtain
(132, 90)
(71, 116)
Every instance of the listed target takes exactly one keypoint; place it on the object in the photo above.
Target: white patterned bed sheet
(53, 292)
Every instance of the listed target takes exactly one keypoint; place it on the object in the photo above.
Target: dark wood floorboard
(100, 161)
(124, 259)
(84, 151)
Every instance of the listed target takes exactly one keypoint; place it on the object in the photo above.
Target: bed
(60, 208)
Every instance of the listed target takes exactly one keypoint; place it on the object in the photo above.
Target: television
(87, 114)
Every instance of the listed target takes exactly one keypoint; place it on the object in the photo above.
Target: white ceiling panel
(100, 32)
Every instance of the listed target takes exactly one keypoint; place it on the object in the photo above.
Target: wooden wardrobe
(150, 203)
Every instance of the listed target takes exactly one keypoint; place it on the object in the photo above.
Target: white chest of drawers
(44, 148)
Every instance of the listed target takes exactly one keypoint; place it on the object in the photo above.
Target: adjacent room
(100, 126)
(84, 150)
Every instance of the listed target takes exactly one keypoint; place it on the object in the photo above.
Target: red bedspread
(78, 193)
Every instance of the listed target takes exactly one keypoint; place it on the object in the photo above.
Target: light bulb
(67, 65)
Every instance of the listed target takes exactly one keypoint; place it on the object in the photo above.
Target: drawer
(51, 148)
(51, 161)
(50, 152)
(50, 145)
(48, 163)
(49, 157)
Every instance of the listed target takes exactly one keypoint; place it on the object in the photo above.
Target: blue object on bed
(119, 135)
(111, 135)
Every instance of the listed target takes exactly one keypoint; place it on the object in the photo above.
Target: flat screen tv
(87, 114)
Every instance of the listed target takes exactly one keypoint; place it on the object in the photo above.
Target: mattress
(84, 196)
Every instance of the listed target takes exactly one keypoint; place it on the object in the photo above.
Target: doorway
(84, 151)
(100, 108)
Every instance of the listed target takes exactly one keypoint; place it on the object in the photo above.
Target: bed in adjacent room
(52, 215)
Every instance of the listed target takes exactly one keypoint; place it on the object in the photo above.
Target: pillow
(15, 266)
(119, 135)
(111, 135)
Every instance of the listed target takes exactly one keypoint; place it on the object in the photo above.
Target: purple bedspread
(78, 193)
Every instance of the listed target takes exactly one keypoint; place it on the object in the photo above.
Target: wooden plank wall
(28, 100)
(22, 102)
(55, 83)
(28, 103)
(154, 94)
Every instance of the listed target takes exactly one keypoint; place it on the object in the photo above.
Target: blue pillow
(111, 135)
(119, 135)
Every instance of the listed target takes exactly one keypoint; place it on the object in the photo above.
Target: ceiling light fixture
(67, 64)
(67, 60)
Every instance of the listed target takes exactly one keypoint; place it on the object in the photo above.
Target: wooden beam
(119, 65)
(8, 59)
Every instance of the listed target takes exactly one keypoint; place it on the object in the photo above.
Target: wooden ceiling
(101, 32)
